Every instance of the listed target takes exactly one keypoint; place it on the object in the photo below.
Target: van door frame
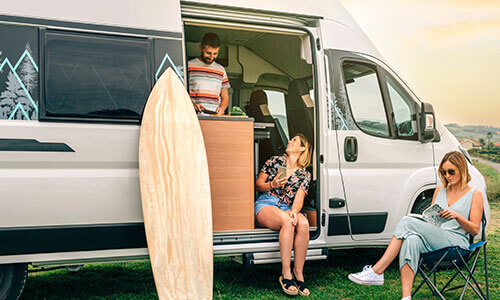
(315, 48)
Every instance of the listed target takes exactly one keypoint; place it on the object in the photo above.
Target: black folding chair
(457, 259)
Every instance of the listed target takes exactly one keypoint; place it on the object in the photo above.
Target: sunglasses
(450, 171)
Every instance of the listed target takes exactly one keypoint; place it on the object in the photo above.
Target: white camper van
(74, 78)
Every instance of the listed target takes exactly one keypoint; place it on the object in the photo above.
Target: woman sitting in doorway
(462, 204)
(285, 182)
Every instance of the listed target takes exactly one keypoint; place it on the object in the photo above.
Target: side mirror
(427, 122)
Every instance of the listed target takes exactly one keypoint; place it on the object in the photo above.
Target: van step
(259, 258)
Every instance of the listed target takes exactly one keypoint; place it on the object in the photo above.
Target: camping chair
(458, 259)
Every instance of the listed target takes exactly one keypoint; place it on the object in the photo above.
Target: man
(208, 82)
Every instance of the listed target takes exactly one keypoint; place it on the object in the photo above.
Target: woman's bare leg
(407, 276)
(274, 218)
(301, 244)
(390, 254)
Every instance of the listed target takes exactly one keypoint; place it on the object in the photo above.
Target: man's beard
(205, 60)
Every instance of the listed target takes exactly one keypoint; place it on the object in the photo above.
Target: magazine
(430, 215)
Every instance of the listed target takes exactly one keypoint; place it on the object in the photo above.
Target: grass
(327, 279)
(492, 178)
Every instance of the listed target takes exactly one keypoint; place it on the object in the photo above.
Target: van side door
(382, 164)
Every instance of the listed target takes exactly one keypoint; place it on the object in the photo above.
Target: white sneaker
(406, 298)
(367, 277)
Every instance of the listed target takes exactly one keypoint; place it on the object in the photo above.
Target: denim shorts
(267, 199)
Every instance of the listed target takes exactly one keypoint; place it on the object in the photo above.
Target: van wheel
(421, 205)
(12, 280)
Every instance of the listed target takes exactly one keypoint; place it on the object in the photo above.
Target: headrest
(297, 89)
(258, 97)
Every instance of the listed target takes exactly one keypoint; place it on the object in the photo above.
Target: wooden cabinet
(229, 146)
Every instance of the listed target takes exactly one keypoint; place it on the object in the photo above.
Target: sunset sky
(448, 51)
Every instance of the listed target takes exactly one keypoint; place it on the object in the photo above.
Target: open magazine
(430, 215)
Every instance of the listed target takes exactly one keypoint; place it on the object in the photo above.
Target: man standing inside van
(208, 82)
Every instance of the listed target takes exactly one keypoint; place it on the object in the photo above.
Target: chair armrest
(477, 245)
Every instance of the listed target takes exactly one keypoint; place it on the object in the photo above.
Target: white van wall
(145, 14)
(339, 30)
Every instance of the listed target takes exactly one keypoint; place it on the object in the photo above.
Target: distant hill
(475, 131)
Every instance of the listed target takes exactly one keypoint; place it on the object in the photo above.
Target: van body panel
(148, 14)
(98, 183)
(389, 168)
(346, 36)
(77, 257)
(389, 178)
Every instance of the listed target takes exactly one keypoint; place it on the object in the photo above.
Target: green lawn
(492, 178)
(327, 279)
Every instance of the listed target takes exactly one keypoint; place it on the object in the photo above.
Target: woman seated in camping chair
(285, 182)
(462, 204)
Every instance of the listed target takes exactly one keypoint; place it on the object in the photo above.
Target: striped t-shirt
(206, 83)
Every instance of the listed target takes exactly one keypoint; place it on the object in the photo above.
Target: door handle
(350, 148)
(336, 203)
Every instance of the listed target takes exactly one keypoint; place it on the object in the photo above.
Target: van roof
(320, 9)
(160, 15)
(329, 9)
(340, 30)
(165, 15)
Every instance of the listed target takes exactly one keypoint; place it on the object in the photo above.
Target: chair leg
(427, 280)
(470, 276)
(432, 286)
(486, 273)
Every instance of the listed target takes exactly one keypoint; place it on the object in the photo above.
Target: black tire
(421, 205)
(12, 280)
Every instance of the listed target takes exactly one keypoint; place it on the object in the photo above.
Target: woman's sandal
(286, 284)
(302, 286)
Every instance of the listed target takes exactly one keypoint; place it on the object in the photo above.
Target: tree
(29, 77)
(489, 136)
(481, 140)
(14, 94)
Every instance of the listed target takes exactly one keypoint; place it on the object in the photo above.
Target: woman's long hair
(305, 157)
(458, 160)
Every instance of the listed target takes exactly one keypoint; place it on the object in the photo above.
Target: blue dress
(420, 237)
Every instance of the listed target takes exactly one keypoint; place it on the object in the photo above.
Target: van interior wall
(248, 56)
(263, 61)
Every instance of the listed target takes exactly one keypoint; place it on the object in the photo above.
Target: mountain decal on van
(16, 102)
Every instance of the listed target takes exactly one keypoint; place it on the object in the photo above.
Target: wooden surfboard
(175, 192)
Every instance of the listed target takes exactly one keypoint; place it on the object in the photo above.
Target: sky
(447, 51)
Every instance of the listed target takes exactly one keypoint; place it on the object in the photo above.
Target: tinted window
(277, 108)
(365, 98)
(403, 108)
(93, 76)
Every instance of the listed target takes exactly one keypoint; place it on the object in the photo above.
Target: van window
(403, 108)
(95, 76)
(365, 98)
(277, 108)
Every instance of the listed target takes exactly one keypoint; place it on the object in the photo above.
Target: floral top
(300, 179)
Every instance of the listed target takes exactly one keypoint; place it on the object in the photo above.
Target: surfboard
(175, 193)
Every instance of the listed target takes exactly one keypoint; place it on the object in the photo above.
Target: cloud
(464, 31)
(478, 4)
